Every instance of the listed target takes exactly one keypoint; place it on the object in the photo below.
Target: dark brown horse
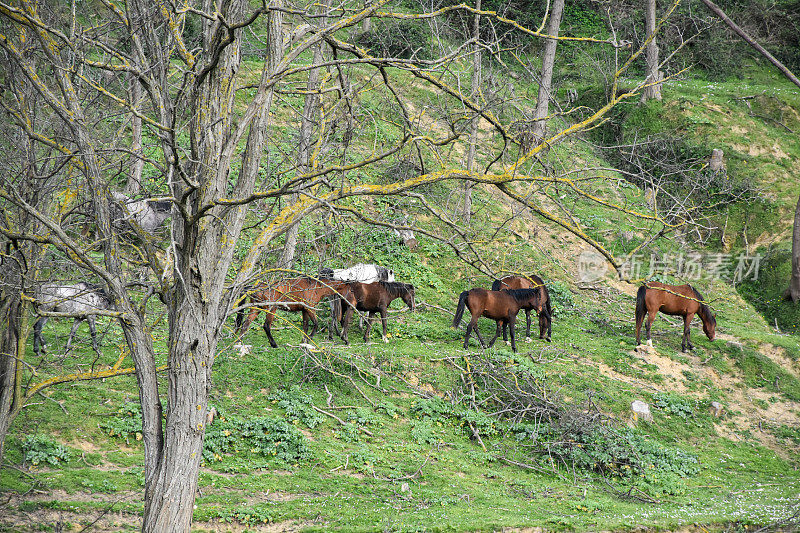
(501, 306)
(374, 298)
(682, 300)
(294, 295)
(542, 307)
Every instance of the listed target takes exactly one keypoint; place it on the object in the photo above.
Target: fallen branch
(342, 422)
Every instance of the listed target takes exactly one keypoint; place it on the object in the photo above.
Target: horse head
(408, 297)
(709, 322)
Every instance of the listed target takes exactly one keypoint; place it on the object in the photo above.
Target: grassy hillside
(419, 434)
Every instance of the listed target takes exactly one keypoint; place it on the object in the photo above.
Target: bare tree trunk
(307, 123)
(653, 74)
(546, 82)
(743, 34)
(134, 184)
(196, 313)
(10, 315)
(473, 133)
(367, 24)
(793, 292)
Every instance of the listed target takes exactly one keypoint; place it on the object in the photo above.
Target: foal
(682, 300)
(501, 306)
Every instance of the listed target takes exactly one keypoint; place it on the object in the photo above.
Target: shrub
(39, 448)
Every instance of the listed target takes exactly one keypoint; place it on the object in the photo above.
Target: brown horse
(374, 298)
(542, 308)
(683, 300)
(501, 306)
(294, 295)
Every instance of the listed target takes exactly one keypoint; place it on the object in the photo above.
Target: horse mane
(521, 295)
(705, 311)
(395, 288)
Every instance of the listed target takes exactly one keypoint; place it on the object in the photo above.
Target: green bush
(298, 406)
(39, 449)
(264, 436)
(126, 424)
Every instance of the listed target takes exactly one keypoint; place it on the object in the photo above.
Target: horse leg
(501, 325)
(528, 327)
(39, 344)
(75, 326)
(368, 325)
(686, 342)
(651, 316)
(312, 316)
(336, 316)
(348, 315)
(247, 321)
(93, 331)
(269, 317)
(512, 324)
(384, 320)
(478, 332)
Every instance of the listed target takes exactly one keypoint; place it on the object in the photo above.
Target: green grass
(404, 457)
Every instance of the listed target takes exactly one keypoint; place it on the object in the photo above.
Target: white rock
(641, 411)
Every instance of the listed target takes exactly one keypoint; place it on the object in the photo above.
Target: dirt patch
(219, 526)
(107, 519)
(779, 357)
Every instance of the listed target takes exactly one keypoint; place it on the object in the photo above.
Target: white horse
(365, 273)
(147, 214)
(79, 299)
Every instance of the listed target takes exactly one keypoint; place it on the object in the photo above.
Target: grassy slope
(418, 472)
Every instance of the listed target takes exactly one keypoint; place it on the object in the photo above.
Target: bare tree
(475, 88)
(653, 88)
(546, 80)
(304, 149)
(213, 126)
(793, 292)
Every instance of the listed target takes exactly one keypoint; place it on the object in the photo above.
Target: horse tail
(497, 285)
(241, 312)
(548, 310)
(641, 305)
(462, 303)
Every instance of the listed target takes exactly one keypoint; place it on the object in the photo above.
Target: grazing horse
(683, 300)
(365, 273)
(542, 308)
(147, 214)
(374, 298)
(501, 306)
(294, 295)
(80, 299)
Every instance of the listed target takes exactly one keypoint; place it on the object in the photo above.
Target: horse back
(672, 299)
(496, 305)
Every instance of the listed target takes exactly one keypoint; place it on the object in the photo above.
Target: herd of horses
(369, 289)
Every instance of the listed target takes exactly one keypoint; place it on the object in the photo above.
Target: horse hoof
(650, 342)
(508, 343)
(385, 340)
